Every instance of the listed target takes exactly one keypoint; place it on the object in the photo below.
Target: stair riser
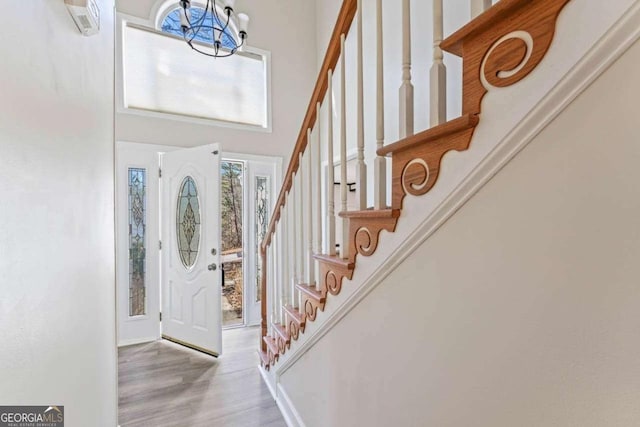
(332, 276)
(416, 169)
(311, 308)
(502, 46)
(294, 328)
(365, 234)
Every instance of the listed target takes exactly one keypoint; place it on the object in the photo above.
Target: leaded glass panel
(137, 232)
(188, 222)
(262, 222)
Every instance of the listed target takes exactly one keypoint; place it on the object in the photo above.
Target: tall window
(137, 231)
(262, 222)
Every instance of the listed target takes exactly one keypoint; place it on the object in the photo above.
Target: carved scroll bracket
(502, 46)
(365, 228)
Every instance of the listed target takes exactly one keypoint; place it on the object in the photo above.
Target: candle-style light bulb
(243, 24)
(184, 20)
(230, 4)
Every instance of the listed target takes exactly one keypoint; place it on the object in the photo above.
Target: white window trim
(122, 20)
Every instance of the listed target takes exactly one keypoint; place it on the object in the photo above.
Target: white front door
(191, 306)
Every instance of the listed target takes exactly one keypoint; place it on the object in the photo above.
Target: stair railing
(303, 223)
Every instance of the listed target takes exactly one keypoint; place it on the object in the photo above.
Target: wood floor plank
(162, 384)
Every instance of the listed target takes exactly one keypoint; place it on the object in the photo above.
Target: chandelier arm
(214, 10)
(214, 55)
(226, 25)
(194, 33)
(230, 52)
(199, 24)
(199, 21)
(216, 25)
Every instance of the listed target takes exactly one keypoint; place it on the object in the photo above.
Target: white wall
(57, 310)
(286, 28)
(521, 309)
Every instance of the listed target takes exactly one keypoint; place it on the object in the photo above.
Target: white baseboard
(288, 411)
(267, 381)
(291, 416)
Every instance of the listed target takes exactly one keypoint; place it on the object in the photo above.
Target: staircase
(301, 268)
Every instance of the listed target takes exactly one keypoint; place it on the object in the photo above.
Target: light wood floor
(164, 384)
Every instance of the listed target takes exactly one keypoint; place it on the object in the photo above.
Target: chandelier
(222, 36)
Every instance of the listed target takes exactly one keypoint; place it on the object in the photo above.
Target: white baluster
(344, 238)
(438, 94)
(318, 182)
(286, 250)
(331, 219)
(293, 237)
(380, 164)
(274, 279)
(311, 271)
(406, 90)
(275, 240)
(302, 265)
(270, 299)
(479, 6)
(274, 284)
(282, 258)
(361, 166)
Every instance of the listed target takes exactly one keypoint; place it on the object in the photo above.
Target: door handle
(212, 267)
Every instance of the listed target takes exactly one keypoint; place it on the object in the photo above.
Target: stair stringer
(463, 174)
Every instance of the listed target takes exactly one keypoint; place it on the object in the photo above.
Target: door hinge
(160, 244)
(159, 172)
(161, 316)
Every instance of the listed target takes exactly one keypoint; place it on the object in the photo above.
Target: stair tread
(335, 260)
(453, 43)
(371, 213)
(311, 292)
(271, 344)
(295, 314)
(282, 332)
(460, 124)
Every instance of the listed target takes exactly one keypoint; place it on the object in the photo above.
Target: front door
(191, 307)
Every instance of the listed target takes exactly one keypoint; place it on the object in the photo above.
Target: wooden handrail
(343, 25)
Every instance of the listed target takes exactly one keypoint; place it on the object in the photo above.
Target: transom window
(171, 25)
(163, 77)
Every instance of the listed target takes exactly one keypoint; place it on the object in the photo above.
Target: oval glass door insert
(188, 222)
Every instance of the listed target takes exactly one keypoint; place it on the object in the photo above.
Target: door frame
(147, 156)
(253, 165)
(251, 310)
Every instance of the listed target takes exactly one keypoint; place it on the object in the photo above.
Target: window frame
(123, 20)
